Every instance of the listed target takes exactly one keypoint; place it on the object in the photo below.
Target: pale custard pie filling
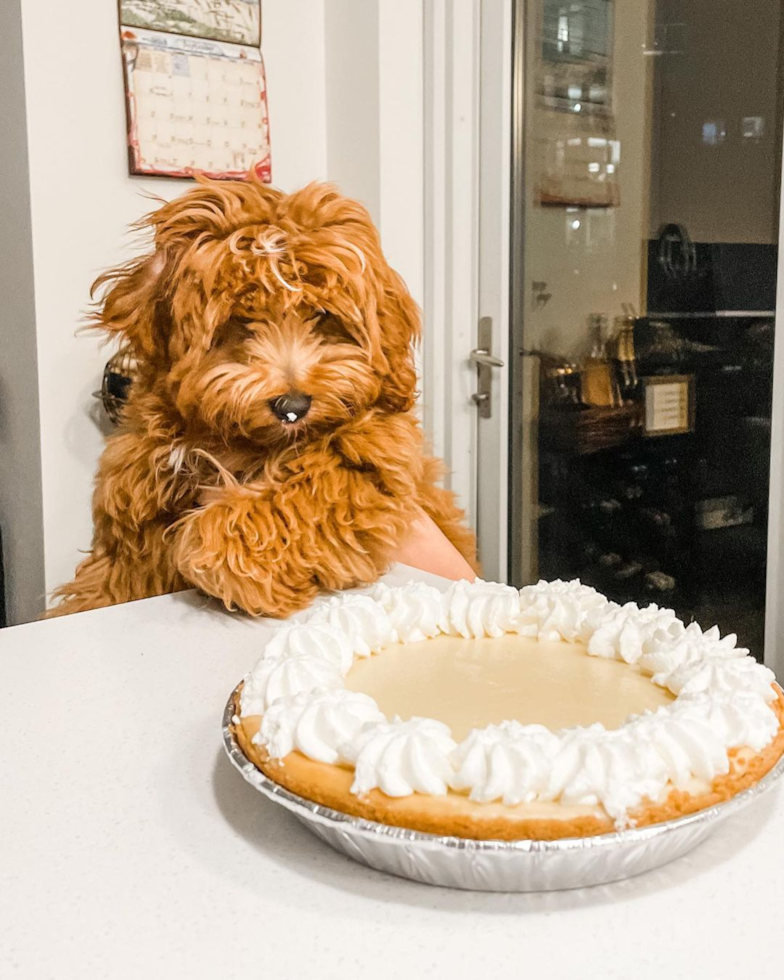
(472, 683)
(490, 712)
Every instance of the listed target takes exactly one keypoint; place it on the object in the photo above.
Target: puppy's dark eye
(334, 329)
(232, 333)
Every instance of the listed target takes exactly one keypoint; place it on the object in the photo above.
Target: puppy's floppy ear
(144, 299)
(398, 317)
(134, 304)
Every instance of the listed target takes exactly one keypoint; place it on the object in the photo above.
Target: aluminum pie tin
(496, 865)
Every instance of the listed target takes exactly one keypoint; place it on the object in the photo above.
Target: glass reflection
(649, 267)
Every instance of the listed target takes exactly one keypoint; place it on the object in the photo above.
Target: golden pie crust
(455, 815)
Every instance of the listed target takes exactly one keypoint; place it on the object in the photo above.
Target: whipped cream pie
(489, 712)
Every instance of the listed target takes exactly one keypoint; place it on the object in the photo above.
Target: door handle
(485, 362)
(485, 358)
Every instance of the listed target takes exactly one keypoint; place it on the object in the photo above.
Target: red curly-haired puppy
(268, 450)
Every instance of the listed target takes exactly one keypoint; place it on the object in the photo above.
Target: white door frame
(450, 293)
(495, 185)
(466, 159)
(774, 600)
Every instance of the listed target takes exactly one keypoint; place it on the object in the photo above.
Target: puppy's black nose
(292, 407)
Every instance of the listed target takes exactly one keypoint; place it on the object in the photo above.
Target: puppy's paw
(233, 550)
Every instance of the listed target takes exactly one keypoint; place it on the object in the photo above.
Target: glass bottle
(599, 386)
(664, 354)
(626, 358)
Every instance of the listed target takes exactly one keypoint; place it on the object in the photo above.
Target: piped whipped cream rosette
(481, 609)
(402, 757)
(317, 723)
(628, 632)
(508, 762)
(357, 618)
(723, 700)
(558, 610)
(415, 611)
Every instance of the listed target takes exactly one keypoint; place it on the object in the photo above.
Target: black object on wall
(709, 277)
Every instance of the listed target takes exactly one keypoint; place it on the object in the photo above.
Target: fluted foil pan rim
(309, 810)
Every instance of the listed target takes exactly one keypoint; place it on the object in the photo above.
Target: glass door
(646, 184)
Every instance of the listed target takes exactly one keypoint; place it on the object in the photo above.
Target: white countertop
(130, 848)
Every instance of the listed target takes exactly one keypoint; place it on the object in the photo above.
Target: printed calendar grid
(194, 106)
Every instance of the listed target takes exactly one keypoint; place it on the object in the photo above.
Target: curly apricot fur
(249, 294)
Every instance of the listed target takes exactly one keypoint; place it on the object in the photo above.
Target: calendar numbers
(195, 106)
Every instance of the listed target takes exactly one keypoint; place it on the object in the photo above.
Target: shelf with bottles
(623, 572)
(605, 399)
(623, 518)
(638, 537)
(679, 518)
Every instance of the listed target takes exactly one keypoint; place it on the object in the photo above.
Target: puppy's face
(271, 378)
(266, 317)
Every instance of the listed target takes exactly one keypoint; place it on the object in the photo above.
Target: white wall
(352, 92)
(82, 199)
(375, 120)
(401, 139)
(294, 57)
(82, 202)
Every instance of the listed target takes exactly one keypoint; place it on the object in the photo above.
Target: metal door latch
(485, 362)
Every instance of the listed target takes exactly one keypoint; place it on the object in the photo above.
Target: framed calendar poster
(194, 105)
(230, 21)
